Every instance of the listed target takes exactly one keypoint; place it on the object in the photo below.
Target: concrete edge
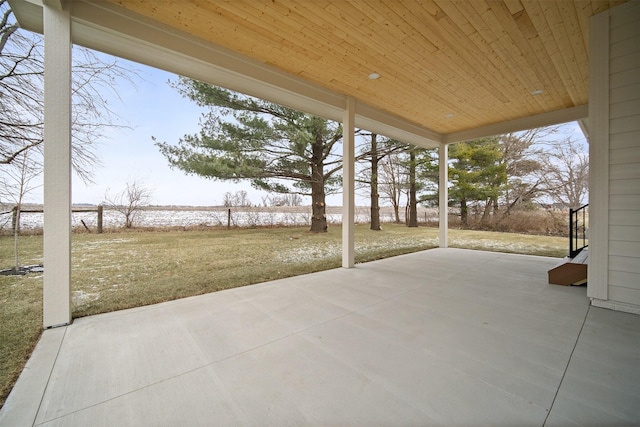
(615, 305)
(22, 404)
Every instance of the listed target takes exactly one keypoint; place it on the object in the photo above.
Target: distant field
(119, 270)
(208, 216)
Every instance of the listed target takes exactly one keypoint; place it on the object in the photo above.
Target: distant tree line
(293, 154)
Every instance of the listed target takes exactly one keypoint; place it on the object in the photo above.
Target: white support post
(599, 180)
(443, 193)
(348, 185)
(57, 167)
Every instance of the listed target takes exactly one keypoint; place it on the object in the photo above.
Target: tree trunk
(319, 217)
(375, 197)
(413, 202)
(318, 207)
(464, 212)
(16, 236)
(487, 209)
(396, 212)
(128, 221)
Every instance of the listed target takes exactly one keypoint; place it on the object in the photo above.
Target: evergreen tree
(276, 148)
(476, 173)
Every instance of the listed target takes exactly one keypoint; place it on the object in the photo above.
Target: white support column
(348, 184)
(443, 192)
(599, 180)
(57, 167)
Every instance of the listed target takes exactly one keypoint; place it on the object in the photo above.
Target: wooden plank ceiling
(447, 65)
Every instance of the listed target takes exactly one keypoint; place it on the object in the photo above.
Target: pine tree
(476, 173)
(276, 148)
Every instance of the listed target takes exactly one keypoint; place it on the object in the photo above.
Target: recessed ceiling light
(537, 92)
(374, 76)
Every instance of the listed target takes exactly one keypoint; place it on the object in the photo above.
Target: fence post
(229, 218)
(100, 208)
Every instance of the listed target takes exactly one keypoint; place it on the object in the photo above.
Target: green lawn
(115, 271)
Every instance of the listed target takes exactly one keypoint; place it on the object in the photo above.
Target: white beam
(348, 184)
(54, 4)
(28, 13)
(391, 126)
(584, 127)
(443, 194)
(541, 120)
(57, 168)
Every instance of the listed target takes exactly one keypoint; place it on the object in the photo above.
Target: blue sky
(151, 108)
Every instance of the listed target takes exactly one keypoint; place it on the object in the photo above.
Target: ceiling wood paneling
(446, 65)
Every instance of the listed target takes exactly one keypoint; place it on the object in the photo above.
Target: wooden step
(582, 257)
(571, 271)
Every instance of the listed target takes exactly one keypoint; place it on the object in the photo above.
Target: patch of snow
(314, 252)
(80, 297)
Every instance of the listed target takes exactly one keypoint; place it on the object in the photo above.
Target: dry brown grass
(541, 222)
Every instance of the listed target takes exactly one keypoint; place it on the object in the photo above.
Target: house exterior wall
(614, 270)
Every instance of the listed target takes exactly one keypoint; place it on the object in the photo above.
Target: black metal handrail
(578, 219)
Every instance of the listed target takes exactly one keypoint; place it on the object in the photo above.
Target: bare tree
(237, 199)
(413, 187)
(130, 201)
(565, 172)
(374, 194)
(282, 200)
(380, 174)
(393, 180)
(16, 182)
(22, 94)
(521, 154)
(373, 149)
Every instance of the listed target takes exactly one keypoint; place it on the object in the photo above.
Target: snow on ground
(190, 217)
(490, 245)
(325, 250)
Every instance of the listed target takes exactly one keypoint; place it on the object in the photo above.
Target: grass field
(120, 270)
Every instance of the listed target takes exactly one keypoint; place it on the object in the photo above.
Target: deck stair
(571, 271)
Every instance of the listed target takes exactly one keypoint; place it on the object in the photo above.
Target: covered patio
(440, 337)
(429, 73)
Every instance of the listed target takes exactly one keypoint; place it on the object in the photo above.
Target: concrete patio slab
(440, 337)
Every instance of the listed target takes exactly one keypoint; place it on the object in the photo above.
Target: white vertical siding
(624, 155)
